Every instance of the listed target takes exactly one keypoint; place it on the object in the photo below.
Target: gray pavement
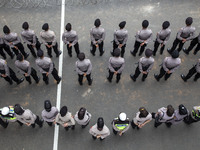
(103, 98)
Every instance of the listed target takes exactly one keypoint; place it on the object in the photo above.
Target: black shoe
(37, 80)
(12, 55)
(58, 81)
(59, 53)
(94, 137)
(143, 79)
(73, 127)
(70, 55)
(90, 83)
(154, 54)
(133, 53)
(26, 56)
(111, 53)
(81, 83)
(10, 82)
(132, 77)
(102, 53)
(46, 82)
(42, 121)
(169, 50)
(183, 77)
(101, 139)
(166, 79)
(110, 80)
(93, 53)
(20, 81)
(50, 56)
(195, 52)
(185, 51)
(117, 81)
(195, 79)
(4, 57)
(156, 77)
(29, 82)
(140, 54)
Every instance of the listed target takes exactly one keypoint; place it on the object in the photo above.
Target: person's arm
(7, 71)
(51, 68)
(127, 127)
(140, 65)
(125, 39)
(110, 65)
(164, 65)
(121, 68)
(24, 39)
(175, 68)
(91, 131)
(42, 38)
(29, 69)
(150, 67)
(92, 37)
(72, 121)
(107, 133)
(75, 41)
(179, 34)
(158, 38)
(89, 68)
(115, 38)
(78, 69)
(18, 40)
(137, 36)
(167, 38)
(103, 37)
(150, 37)
(192, 35)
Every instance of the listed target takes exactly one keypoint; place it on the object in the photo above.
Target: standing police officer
(6, 48)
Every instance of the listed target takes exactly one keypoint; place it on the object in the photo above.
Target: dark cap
(116, 52)
(68, 27)
(6, 30)
(47, 105)
(97, 22)
(63, 111)
(145, 23)
(175, 54)
(100, 123)
(182, 110)
(20, 57)
(148, 52)
(189, 21)
(81, 56)
(25, 26)
(122, 24)
(40, 53)
(165, 24)
(81, 113)
(18, 109)
(45, 27)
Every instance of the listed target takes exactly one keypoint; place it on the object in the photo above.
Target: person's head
(182, 110)
(143, 112)
(18, 109)
(81, 56)
(20, 57)
(189, 21)
(63, 111)
(170, 110)
(47, 105)
(100, 123)
(122, 116)
(175, 54)
(40, 53)
(97, 22)
(116, 52)
(25, 26)
(165, 24)
(196, 114)
(68, 27)
(145, 24)
(81, 113)
(45, 27)
(6, 29)
(148, 53)
(5, 111)
(122, 24)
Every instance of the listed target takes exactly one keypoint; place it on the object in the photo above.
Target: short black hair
(63, 111)
(20, 57)
(40, 53)
(116, 52)
(165, 24)
(143, 112)
(68, 27)
(25, 25)
(81, 56)
(6, 29)
(97, 22)
(145, 23)
(18, 109)
(45, 27)
(122, 24)
(189, 21)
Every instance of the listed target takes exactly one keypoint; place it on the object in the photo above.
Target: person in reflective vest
(194, 115)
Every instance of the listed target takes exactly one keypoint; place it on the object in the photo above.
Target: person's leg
(115, 132)
(38, 121)
(28, 78)
(137, 73)
(180, 46)
(93, 49)
(21, 49)
(34, 75)
(2, 53)
(144, 76)
(55, 75)
(167, 75)
(136, 47)
(101, 51)
(197, 49)
(110, 76)
(76, 47)
(49, 51)
(3, 123)
(7, 49)
(175, 43)
(162, 73)
(118, 77)
(142, 49)
(156, 45)
(88, 76)
(32, 50)
(45, 78)
(69, 50)
(191, 72)
(196, 77)
(123, 50)
(80, 79)
(162, 49)
(14, 77)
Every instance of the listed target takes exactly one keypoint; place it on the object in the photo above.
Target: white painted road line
(56, 131)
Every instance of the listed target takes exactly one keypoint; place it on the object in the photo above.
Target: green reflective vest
(10, 116)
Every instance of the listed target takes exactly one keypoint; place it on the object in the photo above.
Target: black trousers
(100, 48)
(76, 47)
(122, 48)
(37, 45)
(175, 44)
(136, 47)
(118, 76)
(190, 120)
(38, 122)
(11, 77)
(49, 123)
(156, 45)
(33, 74)
(191, 72)
(7, 49)
(162, 73)
(137, 73)
(55, 48)
(192, 45)
(80, 78)
(54, 74)
(20, 48)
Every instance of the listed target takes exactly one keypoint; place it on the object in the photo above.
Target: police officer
(65, 119)
(194, 70)
(49, 39)
(120, 124)
(5, 47)
(169, 65)
(162, 38)
(97, 35)
(82, 117)
(25, 68)
(25, 116)
(163, 115)
(49, 113)
(30, 38)
(99, 130)
(183, 35)
(194, 116)
(195, 41)
(115, 66)
(46, 67)
(8, 74)
(70, 38)
(143, 37)
(145, 64)
(14, 41)
(120, 38)
(83, 68)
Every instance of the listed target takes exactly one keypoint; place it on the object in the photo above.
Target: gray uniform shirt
(146, 62)
(4, 66)
(198, 66)
(70, 36)
(171, 64)
(50, 116)
(48, 36)
(144, 35)
(68, 118)
(121, 36)
(104, 132)
(23, 67)
(85, 119)
(84, 66)
(11, 37)
(116, 62)
(44, 64)
(163, 115)
(27, 117)
(163, 36)
(138, 120)
(187, 33)
(97, 34)
(177, 117)
(29, 36)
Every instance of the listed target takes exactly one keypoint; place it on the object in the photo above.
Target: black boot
(184, 78)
